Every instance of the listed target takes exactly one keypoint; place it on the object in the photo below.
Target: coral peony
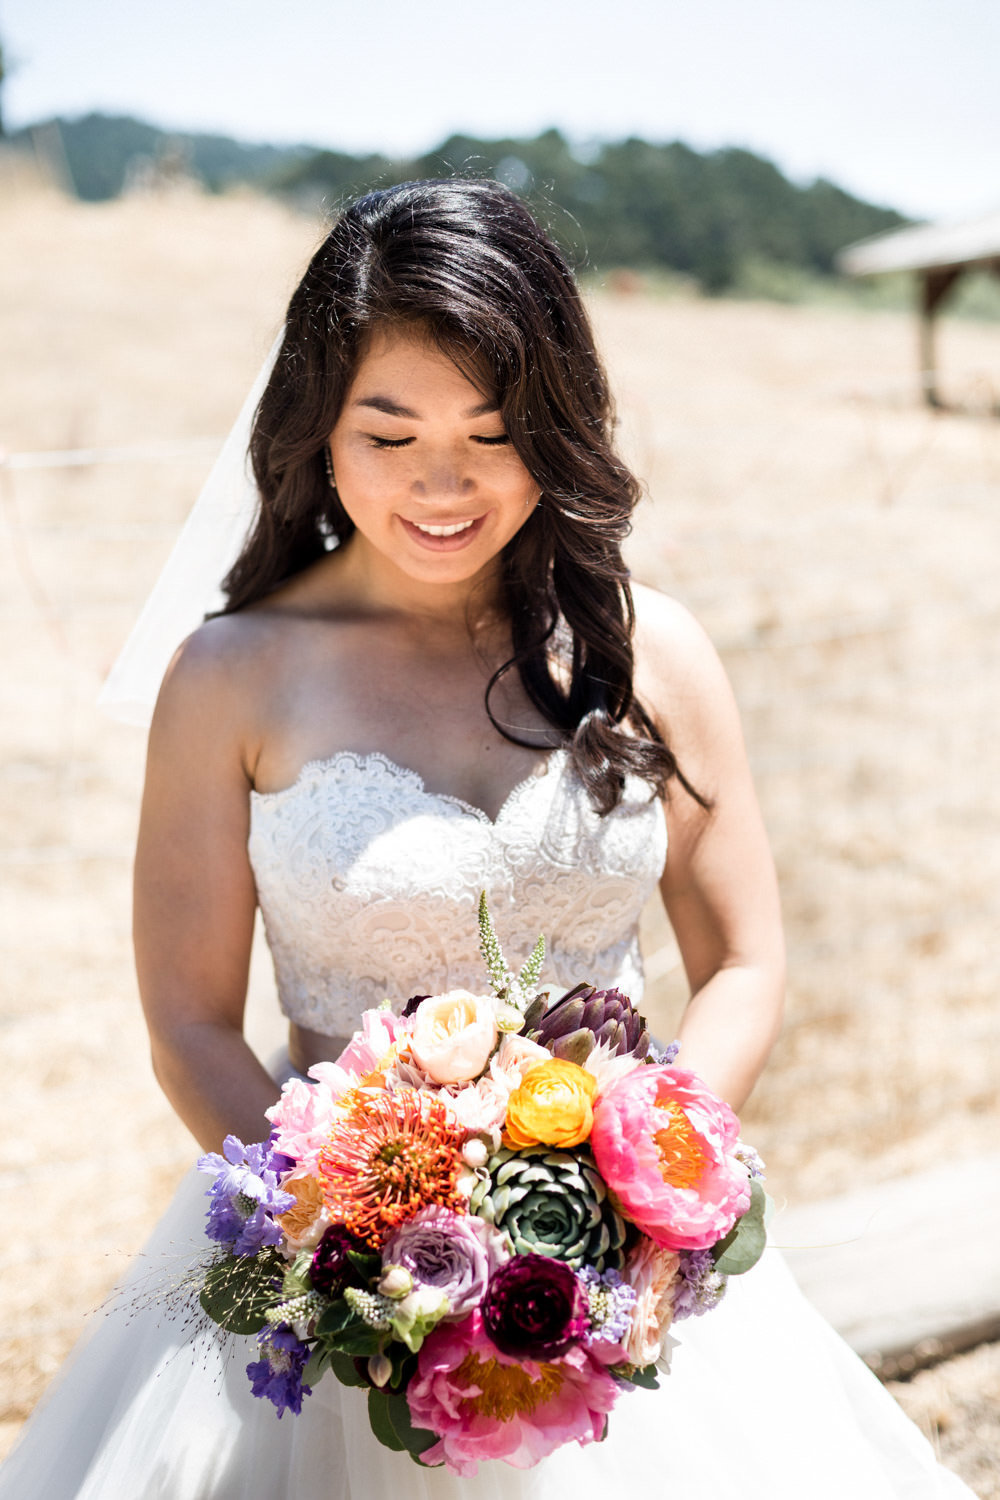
(552, 1106)
(483, 1404)
(453, 1036)
(665, 1145)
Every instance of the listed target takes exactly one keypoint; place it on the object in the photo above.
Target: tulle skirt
(763, 1400)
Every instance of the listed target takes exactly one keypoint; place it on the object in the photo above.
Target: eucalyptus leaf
(647, 1376)
(319, 1360)
(378, 1415)
(334, 1319)
(414, 1439)
(360, 1341)
(344, 1368)
(404, 1365)
(744, 1245)
(238, 1290)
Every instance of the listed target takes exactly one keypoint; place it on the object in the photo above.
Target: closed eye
(384, 442)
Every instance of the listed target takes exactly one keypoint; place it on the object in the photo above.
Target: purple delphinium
(245, 1194)
(534, 1307)
(700, 1286)
(278, 1374)
(610, 1302)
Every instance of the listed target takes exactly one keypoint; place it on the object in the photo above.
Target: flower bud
(379, 1369)
(396, 1282)
(475, 1153)
(509, 1018)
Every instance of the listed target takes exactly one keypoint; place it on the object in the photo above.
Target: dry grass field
(840, 544)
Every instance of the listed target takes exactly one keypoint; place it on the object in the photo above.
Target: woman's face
(423, 466)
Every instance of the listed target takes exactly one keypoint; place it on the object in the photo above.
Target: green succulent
(552, 1203)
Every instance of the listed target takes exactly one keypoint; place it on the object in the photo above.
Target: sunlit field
(839, 542)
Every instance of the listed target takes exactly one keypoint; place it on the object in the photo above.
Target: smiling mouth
(454, 530)
(444, 536)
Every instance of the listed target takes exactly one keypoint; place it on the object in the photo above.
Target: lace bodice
(369, 883)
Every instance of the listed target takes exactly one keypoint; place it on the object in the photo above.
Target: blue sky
(897, 100)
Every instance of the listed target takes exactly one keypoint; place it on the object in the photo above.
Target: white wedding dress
(369, 884)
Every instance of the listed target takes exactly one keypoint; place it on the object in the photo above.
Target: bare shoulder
(210, 698)
(679, 676)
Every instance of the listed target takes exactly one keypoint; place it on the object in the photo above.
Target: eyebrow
(390, 408)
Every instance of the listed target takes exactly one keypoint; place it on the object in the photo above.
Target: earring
(328, 462)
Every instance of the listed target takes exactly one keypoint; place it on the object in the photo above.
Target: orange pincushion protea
(389, 1156)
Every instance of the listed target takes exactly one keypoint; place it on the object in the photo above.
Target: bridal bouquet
(488, 1212)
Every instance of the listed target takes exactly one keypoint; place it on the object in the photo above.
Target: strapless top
(368, 884)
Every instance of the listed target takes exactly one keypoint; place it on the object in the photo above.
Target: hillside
(706, 216)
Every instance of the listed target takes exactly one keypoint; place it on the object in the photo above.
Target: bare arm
(195, 899)
(719, 886)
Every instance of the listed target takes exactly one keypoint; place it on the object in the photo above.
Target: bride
(432, 677)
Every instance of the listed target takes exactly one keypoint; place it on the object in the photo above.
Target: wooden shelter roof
(926, 247)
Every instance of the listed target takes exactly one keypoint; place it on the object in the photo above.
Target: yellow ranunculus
(552, 1106)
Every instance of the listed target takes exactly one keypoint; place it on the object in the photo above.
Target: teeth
(444, 530)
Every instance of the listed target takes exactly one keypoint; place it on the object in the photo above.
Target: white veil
(190, 584)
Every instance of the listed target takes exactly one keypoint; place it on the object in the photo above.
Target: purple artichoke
(574, 1026)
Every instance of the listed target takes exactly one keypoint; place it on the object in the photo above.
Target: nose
(443, 476)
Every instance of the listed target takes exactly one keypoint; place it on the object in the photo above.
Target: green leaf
(238, 1290)
(367, 1265)
(744, 1245)
(378, 1416)
(333, 1319)
(297, 1280)
(414, 1439)
(403, 1366)
(319, 1360)
(647, 1376)
(360, 1341)
(344, 1368)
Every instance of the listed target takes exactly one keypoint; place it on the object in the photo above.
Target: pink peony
(301, 1119)
(370, 1047)
(483, 1404)
(664, 1144)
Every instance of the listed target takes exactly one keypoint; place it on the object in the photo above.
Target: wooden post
(934, 286)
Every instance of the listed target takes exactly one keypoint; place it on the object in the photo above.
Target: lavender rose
(535, 1308)
(456, 1253)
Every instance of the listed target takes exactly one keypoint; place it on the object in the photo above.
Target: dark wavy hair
(467, 263)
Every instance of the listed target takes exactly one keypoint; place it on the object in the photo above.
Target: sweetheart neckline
(368, 757)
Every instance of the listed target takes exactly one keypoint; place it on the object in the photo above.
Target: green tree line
(653, 207)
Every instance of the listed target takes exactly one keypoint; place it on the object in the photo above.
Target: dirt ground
(839, 542)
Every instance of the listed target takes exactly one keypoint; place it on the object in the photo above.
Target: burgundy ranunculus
(410, 1008)
(534, 1308)
(331, 1270)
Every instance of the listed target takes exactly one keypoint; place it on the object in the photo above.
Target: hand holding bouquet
(488, 1212)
